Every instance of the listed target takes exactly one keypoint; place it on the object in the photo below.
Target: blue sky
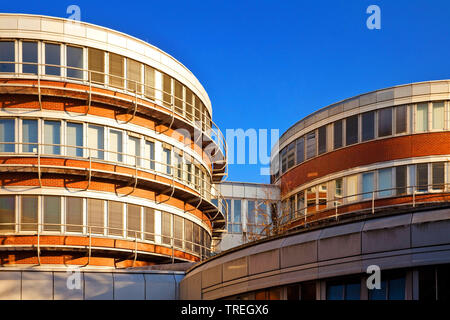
(267, 64)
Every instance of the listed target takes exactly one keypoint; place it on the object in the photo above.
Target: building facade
(109, 154)
(364, 182)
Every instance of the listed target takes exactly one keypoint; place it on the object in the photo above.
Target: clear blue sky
(267, 64)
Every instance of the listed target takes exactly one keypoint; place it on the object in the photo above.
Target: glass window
(75, 138)
(351, 130)
(167, 159)
(52, 213)
(337, 134)
(291, 155)
(75, 60)
(385, 122)
(29, 57)
(422, 177)
(196, 238)
(322, 196)
(400, 119)
(284, 159)
(52, 137)
(438, 175)
(400, 179)
(178, 97)
(116, 70)
(29, 135)
(251, 212)
(352, 187)
(367, 185)
(178, 163)
(167, 90)
(74, 214)
(150, 154)
(188, 234)
(422, 117)
(133, 76)
(115, 145)
(237, 211)
(149, 224)
(28, 213)
(7, 213)
(368, 126)
(149, 82)
(178, 231)
(338, 188)
(189, 104)
(52, 59)
(378, 294)
(438, 115)
(96, 216)
(300, 203)
(96, 61)
(322, 131)
(7, 54)
(134, 151)
(7, 134)
(166, 227)
(385, 182)
(391, 289)
(311, 145)
(311, 199)
(300, 150)
(134, 221)
(115, 218)
(96, 141)
(343, 291)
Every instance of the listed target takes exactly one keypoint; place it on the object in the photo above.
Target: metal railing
(200, 250)
(197, 117)
(368, 201)
(178, 172)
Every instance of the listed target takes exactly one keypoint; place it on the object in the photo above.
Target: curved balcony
(166, 180)
(132, 97)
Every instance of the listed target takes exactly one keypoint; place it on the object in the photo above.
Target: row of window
(361, 128)
(101, 217)
(105, 68)
(386, 182)
(78, 139)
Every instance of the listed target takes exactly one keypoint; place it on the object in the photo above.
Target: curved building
(108, 150)
(363, 182)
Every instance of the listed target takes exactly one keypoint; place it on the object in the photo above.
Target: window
(52, 137)
(338, 188)
(134, 221)
(96, 217)
(284, 159)
(7, 54)
(75, 60)
(438, 115)
(29, 57)
(352, 188)
(52, 213)
(391, 289)
(311, 145)
(52, 59)
(134, 151)
(237, 216)
(188, 234)
(116, 70)
(251, 212)
(438, 175)
(322, 196)
(178, 163)
(422, 117)
(28, 213)
(339, 290)
(322, 131)
(115, 218)
(291, 155)
(74, 214)
(115, 145)
(178, 231)
(7, 213)
(150, 154)
(400, 179)
(167, 159)
(149, 82)
(166, 227)
(96, 141)
(385, 122)
(149, 224)
(133, 76)
(351, 130)
(422, 177)
(300, 203)
(96, 62)
(400, 119)
(337, 134)
(7, 134)
(434, 283)
(178, 97)
(167, 90)
(385, 182)
(367, 185)
(29, 135)
(300, 150)
(229, 215)
(75, 138)
(368, 126)
(196, 238)
(311, 199)
(189, 104)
